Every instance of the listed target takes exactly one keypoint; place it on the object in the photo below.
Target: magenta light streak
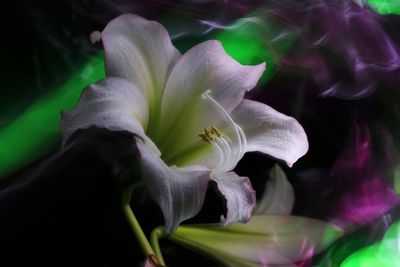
(369, 193)
(368, 201)
(357, 155)
(345, 47)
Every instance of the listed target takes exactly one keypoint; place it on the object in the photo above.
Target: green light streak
(257, 39)
(385, 7)
(36, 131)
(383, 254)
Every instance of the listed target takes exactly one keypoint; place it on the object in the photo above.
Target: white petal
(270, 131)
(239, 195)
(278, 197)
(141, 51)
(204, 67)
(264, 241)
(112, 103)
(180, 192)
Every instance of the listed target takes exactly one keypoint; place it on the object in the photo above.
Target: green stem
(156, 234)
(137, 230)
(135, 226)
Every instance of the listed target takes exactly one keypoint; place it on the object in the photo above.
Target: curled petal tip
(95, 37)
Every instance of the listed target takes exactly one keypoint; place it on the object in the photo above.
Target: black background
(64, 210)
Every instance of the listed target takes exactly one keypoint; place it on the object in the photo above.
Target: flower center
(222, 145)
(228, 148)
(192, 137)
(209, 135)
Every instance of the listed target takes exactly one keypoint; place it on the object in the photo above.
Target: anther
(206, 138)
(209, 135)
(215, 131)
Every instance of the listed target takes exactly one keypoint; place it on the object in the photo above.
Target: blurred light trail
(36, 130)
(382, 254)
(385, 7)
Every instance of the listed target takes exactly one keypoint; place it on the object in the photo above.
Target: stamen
(206, 138)
(223, 150)
(221, 142)
(215, 131)
(207, 132)
(227, 143)
(232, 150)
(209, 135)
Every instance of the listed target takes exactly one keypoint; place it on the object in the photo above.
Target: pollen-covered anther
(210, 135)
(215, 131)
(206, 138)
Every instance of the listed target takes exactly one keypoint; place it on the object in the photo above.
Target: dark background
(64, 210)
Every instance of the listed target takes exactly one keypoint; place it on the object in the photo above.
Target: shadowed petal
(180, 192)
(278, 197)
(141, 51)
(270, 131)
(112, 103)
(239, 195)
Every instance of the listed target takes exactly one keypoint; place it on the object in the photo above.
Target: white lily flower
(188, 112)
